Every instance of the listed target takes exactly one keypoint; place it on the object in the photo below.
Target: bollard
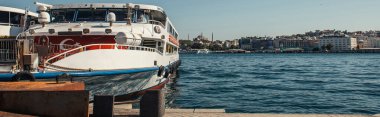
(152, 104)
(103, 105)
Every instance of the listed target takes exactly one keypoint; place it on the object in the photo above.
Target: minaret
(188, 36)
(212, 37)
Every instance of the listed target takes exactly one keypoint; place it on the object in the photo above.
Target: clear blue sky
(230, 19)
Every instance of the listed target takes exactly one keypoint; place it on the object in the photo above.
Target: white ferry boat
(116, 49)
(12, 22)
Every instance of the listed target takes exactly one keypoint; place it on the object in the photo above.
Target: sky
(232, 19)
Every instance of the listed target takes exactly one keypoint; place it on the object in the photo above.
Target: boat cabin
(12, 21)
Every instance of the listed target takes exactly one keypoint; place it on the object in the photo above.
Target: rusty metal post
(152, 104)
(103, 105)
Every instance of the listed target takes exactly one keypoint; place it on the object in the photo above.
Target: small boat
(116, 49)
(202, 51)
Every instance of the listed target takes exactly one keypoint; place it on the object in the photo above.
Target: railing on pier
(8, 50)
(70, 52)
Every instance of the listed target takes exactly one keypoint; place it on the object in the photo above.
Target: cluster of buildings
(326, 40)
(202, 42)
(313, 41)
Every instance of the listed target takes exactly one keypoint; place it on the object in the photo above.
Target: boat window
(170, 49)
(4, 17)
(84, 15)
(121, 14)
(62, 15)
(91, 15)
(100, 15)
(15, 18)
(158, 16)
(140, 16)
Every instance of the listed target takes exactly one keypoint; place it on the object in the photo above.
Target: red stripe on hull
(159, 86)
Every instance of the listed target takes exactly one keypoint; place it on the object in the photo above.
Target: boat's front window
(84, 15)
(121, 14)
(80, 15)
(91, 15)
(62, 15)
(140, 16)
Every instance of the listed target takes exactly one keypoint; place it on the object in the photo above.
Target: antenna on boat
(43, 4)
(43, 16)
(129, 13)
(25, 19)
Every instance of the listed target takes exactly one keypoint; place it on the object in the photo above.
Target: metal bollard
(152, 104)
(103, 105)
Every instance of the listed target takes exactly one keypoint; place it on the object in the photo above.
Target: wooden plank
(46, 103)
(41, 86)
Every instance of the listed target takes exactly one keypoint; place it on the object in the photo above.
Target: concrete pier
(222, 113)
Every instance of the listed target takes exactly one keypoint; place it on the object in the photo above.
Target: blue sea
(346, 83)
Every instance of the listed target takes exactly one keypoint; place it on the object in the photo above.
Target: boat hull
(123, 84)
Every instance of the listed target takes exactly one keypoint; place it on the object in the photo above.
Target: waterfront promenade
(119, 111)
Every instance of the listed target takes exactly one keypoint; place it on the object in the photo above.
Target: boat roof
(17, 10)
(105, 5)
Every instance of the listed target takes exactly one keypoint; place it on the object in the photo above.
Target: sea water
(279, 83)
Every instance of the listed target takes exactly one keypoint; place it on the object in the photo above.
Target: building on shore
(306, 45)
(342, 43)
(368, 42)
(245, 43)
(256, 43)
(231, 43)
(202, 40)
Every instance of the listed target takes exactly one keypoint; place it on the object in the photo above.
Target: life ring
(157, 29)
(23, 76)
(160, 70)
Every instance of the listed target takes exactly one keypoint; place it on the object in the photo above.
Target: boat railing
(9, 24)
(70, 52)
(156, 23)
(8, 50)
(59, 48)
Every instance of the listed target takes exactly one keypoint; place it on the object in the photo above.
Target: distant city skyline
(232, 19)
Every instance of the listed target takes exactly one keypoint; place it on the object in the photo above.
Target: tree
(323, 48)
(216, 47)
(197, 46)
(233, 47)
(329, 47)
(315, 49)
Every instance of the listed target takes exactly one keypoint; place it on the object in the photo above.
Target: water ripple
(281, 83)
